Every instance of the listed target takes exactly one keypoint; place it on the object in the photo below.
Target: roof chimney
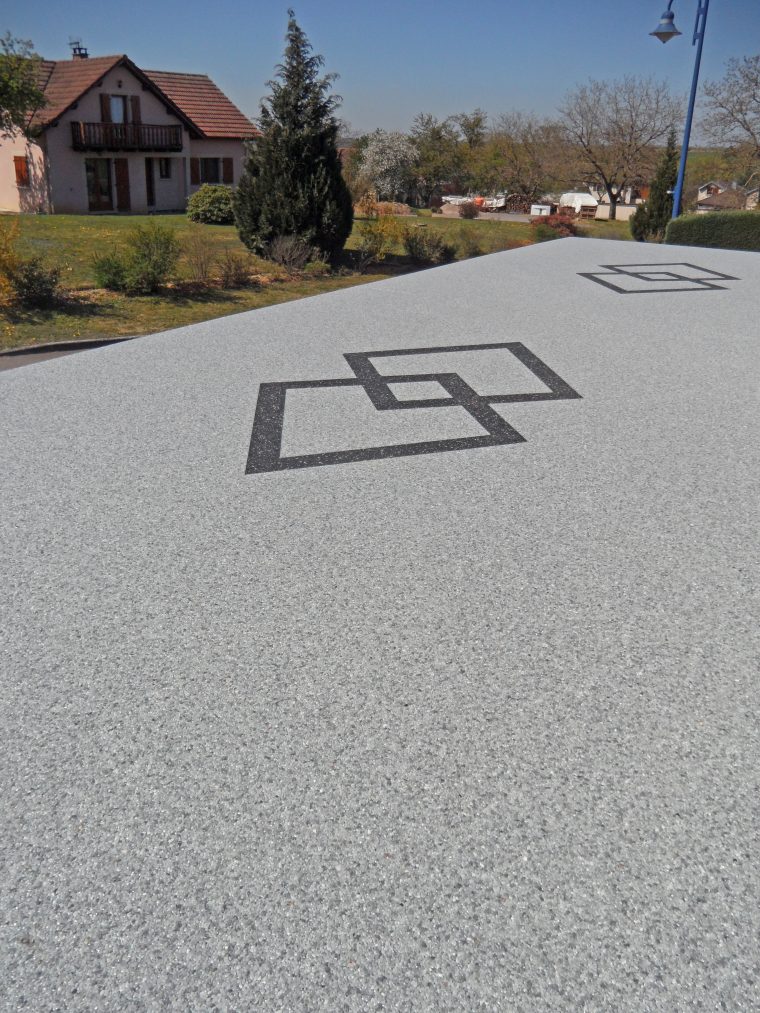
(78, 51)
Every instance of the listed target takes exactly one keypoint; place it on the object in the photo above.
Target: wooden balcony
(126, 137)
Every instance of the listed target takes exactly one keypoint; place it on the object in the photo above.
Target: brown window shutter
(195, 171)
(21, 165)
(135, 102)
(105, 108)
(226, 170)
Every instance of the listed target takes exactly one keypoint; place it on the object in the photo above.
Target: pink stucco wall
(32, 198)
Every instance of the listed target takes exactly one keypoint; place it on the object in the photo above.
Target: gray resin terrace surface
(392, 650)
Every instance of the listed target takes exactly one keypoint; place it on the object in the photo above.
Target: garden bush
(319, 267)
(423, 247)
(110, 271)
(211, 205)
(152, 254)
(366, 206)
(199, 256)
(468, 209)
(291, 252)
(724, 230)
(149, 259)
(234, 269)
(392, 207)
(468, 243)
(34, 283)
(553, 227)
(376, 240)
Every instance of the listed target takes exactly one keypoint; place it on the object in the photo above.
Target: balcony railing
(126, 137)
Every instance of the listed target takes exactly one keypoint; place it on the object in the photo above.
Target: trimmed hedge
(725, 230)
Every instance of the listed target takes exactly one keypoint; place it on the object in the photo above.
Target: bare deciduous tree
(614, 128)
(528, 151)
(733, 104)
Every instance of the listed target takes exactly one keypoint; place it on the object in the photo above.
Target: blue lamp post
(667, 30)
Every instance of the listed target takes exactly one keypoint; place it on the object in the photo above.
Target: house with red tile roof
(112, 137)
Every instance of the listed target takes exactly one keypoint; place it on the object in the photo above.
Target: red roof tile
(64, 81)
(203, 103)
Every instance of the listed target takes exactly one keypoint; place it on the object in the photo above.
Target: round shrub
(468, 209)
(211, 205)
(424, 247)
(35, 283)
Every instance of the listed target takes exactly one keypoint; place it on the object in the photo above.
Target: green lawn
(71, 241)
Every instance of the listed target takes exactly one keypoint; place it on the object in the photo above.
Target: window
(118, 108)
(209, 170)
(164, 168)
(21, 165)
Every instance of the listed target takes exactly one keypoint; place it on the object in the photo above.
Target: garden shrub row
(724, 230)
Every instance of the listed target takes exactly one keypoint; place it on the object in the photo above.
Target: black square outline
(692, 284)
(264, 454)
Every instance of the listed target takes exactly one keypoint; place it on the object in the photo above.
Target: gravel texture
(461, 731)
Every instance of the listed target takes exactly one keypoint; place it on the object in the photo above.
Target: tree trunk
(614, 198)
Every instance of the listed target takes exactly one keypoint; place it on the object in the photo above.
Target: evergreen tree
(291, 183)
(651, 219)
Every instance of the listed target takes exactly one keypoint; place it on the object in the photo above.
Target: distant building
(112, 137)
(723, 196)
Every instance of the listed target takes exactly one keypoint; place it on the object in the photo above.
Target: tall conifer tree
(651, 219)
(292, 183)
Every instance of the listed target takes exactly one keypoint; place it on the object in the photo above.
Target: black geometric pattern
(634, 279)
(266, 439)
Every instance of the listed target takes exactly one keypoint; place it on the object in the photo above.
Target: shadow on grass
(70, 305)
(185, 295)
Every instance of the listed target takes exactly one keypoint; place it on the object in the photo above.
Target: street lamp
(667, 30)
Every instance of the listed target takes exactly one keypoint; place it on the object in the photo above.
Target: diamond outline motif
(703, 284)
(264, 454)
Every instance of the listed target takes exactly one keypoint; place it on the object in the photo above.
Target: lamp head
(666, 28)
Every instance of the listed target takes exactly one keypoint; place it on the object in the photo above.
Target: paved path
(379, 707)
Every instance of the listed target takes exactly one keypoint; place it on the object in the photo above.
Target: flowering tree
(388, 163)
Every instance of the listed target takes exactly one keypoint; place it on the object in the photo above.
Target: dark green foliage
(151, 255)
(110, 271)
(292, 183)
(468, 209)
(423, 247)
(35, 284)
(211, 205)
(725, 230)
(650, 219)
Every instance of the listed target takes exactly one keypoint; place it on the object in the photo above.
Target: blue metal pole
(699, 38)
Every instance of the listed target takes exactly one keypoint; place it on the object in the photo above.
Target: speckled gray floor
(465, 731)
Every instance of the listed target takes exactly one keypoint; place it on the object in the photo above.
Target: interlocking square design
(265, 453)
(634, 279)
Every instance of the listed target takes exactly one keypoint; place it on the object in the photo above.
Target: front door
(98, 171)
(121, 168)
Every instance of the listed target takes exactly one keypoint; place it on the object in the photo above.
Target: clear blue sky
(396, 59)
